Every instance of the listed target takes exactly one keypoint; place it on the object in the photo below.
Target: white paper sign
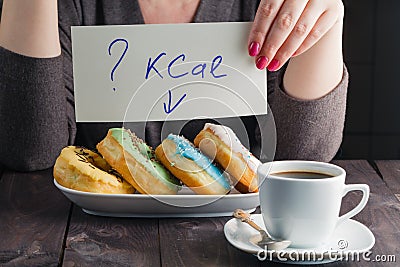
(165, 72)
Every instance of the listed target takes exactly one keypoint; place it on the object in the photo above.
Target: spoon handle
(245, 217)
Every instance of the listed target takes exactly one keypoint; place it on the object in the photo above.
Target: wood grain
(390, 171)
(103, 241)
(34, 216)
(382, 213)
(199, 242)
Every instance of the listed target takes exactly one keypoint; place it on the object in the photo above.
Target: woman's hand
(286, 28)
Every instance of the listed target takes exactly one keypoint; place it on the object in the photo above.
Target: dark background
(372, 53)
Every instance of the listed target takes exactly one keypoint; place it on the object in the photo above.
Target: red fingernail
(273, 66)
(254, 49)
(261, 62)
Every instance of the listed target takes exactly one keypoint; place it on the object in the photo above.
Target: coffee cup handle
(354, 187)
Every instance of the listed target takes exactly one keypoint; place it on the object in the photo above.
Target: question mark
(120, 58)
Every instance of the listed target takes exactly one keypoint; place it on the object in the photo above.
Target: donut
(220, 143)
(135, 161)
(84, 170)
(193, 168)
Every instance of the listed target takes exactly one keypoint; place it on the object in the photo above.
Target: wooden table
(40, 227)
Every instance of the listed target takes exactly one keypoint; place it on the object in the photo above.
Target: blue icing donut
(187, 150)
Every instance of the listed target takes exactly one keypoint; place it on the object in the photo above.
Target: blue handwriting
(199, 69)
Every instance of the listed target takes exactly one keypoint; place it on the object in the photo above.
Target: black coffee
(302, 175)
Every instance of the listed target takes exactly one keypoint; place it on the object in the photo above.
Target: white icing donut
(221, 143)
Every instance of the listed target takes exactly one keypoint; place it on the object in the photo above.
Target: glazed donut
(189, 165)
(84, 170)
(135, 161)
(220, 143)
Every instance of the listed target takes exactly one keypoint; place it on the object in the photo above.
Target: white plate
(349, 241)
(185, 204)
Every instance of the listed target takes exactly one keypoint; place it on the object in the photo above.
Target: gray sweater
(37, 96)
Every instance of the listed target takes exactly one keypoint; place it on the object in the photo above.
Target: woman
(36, 90)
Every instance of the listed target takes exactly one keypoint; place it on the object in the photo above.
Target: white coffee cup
(304, 210)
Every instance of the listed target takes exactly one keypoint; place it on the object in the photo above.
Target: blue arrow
(169, 110)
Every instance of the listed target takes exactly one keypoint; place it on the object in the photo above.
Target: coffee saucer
(348, 243)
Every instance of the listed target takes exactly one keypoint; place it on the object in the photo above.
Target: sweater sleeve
(36, 107)
(308, 129)
(33, 114)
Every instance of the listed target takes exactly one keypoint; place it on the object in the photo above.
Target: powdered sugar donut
(221, 143)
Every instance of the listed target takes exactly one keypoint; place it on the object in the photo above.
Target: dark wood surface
(382, 213)
(40, 227)
(33, 219)
(390, 173)
(102, 241)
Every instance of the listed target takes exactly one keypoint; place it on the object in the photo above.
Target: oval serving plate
(184, 204)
